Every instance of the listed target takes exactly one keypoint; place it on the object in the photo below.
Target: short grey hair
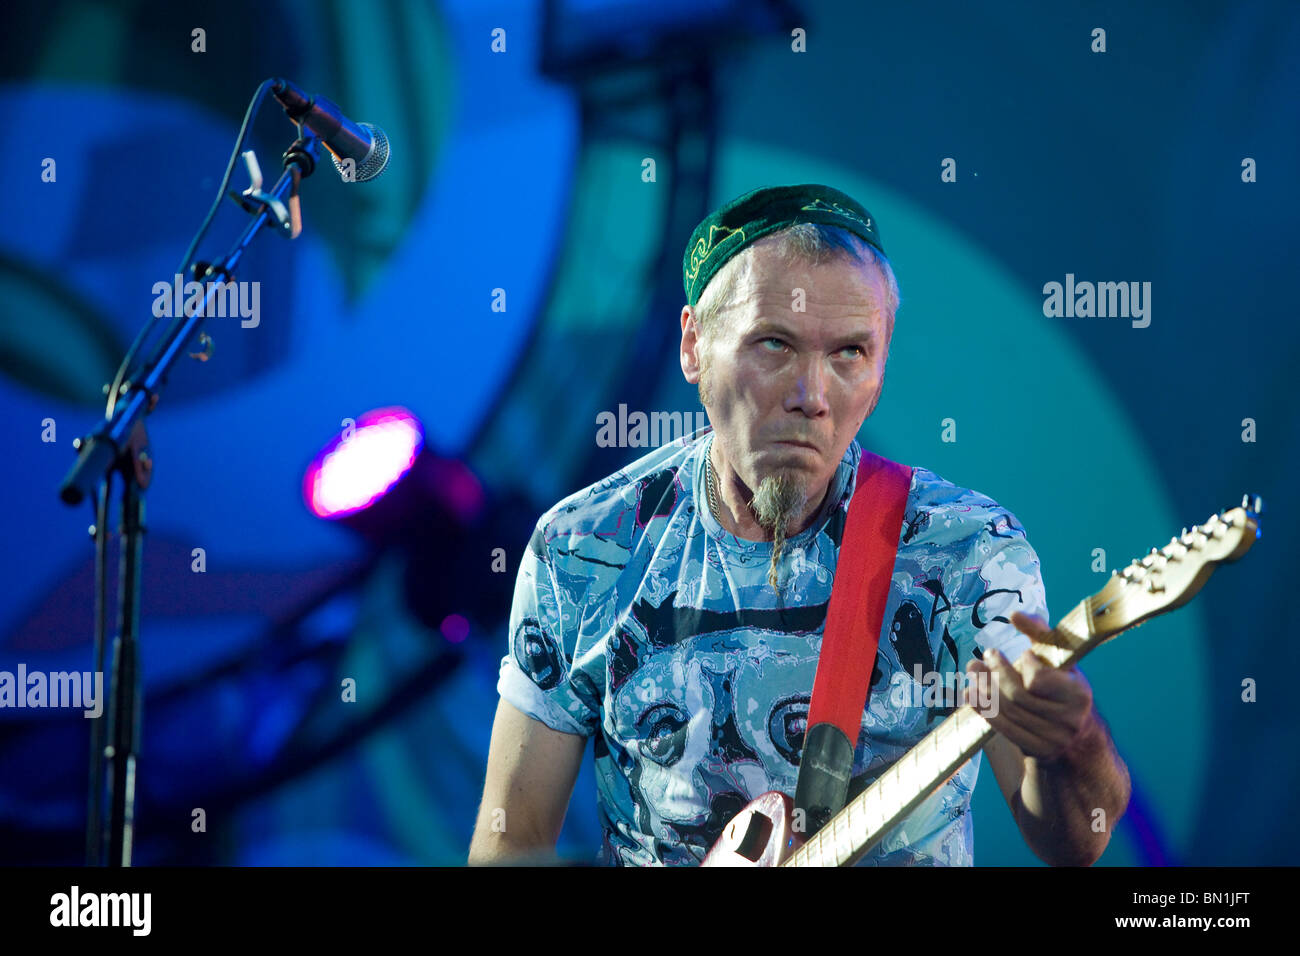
(812, 243)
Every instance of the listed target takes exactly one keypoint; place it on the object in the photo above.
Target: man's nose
(810, 388)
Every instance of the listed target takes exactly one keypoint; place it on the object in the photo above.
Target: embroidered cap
(750, 217)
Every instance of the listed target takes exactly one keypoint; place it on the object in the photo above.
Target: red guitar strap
(853, 622)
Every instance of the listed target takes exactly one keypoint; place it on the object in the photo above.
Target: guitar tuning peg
(1253, 503)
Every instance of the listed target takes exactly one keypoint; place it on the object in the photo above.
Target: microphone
(364, 144)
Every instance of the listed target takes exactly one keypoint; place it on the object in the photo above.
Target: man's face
(770, 376)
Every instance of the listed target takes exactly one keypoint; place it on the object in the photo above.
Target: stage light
(363, 463)
(381, 479)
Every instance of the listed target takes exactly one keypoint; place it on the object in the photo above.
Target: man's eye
(852, 348)
(777, 341)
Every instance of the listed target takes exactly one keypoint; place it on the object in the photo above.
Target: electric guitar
(763, 833)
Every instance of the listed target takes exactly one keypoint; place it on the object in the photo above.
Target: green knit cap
(750, 217)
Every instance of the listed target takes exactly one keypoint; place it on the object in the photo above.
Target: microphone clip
(299, 160)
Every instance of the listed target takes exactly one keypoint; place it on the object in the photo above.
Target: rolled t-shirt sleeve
(537, 674)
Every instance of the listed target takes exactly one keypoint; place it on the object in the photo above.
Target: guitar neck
(898, 791)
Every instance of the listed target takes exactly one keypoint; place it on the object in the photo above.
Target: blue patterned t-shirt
(639, 621)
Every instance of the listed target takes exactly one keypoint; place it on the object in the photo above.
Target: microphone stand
(121, 445)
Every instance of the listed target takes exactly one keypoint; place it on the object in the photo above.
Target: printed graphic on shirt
(639, 621)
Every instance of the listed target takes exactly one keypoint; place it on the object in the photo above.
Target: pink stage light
(352, 473)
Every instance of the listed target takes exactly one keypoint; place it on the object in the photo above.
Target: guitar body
(759, 835)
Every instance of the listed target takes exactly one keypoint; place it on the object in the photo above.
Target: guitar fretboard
(896, 792)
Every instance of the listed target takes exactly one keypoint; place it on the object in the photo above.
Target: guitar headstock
(1169, 577)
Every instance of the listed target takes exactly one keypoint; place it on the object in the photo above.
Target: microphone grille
(376, 160)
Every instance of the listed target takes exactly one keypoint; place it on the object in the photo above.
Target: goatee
(780, 499)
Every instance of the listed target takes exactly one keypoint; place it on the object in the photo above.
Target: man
(673, 612)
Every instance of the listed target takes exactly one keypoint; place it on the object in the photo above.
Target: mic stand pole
(121, 445)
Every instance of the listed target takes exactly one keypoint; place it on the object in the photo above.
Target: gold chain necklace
(711, 481)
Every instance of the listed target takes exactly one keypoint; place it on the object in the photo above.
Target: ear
(689, 353)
